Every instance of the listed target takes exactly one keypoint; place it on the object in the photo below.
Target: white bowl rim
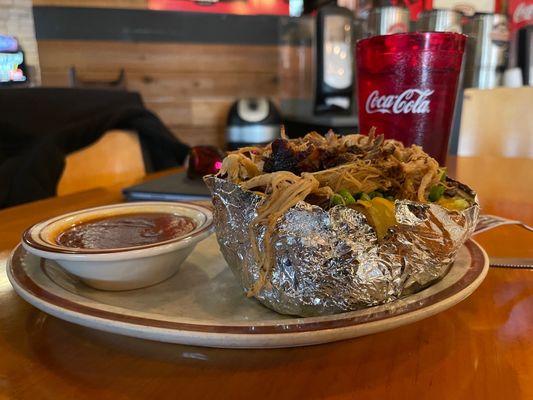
(38, 246)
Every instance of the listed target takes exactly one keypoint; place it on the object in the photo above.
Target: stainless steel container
(439, 21)
(487, 50)
(387, 20)
(360, 8)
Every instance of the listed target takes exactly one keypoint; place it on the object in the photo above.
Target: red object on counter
(204, 160)
(407, 85)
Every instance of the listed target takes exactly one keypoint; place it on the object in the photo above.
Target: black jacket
(40, 126)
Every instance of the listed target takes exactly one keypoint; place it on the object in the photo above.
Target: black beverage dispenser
(334, 85)
(317, 72)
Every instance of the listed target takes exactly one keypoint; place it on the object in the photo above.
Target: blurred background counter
(190, 67)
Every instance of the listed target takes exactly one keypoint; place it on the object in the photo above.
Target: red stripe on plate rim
(476, 267)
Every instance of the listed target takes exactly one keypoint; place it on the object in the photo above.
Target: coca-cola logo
(523, 12)
(415, 101)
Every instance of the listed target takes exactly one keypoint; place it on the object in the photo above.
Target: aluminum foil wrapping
(331, 261)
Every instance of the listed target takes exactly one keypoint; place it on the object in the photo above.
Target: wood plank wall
(94, 3)
(190, 86)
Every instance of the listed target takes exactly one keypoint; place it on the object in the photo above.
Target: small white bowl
(123, 268)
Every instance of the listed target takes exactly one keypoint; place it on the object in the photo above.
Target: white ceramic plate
(203, 305)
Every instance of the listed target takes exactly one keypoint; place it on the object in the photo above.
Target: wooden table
(479, 349)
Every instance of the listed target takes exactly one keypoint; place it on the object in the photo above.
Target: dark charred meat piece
(395, 172)
(312, 156)
(310, 159)
(283, 158)
(355, 150)
(452, 188)
(370, 150)
(387, 149)
(329, 159)
(451, 192)
(318, 200)
(342, 158)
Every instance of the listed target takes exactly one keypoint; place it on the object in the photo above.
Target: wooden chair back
(115, 158)
(497, 122)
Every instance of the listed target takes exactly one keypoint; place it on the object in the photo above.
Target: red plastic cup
(407, 85)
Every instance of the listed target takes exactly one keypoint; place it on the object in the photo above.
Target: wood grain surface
(142, 4)
(189, 86)
(479, 349)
